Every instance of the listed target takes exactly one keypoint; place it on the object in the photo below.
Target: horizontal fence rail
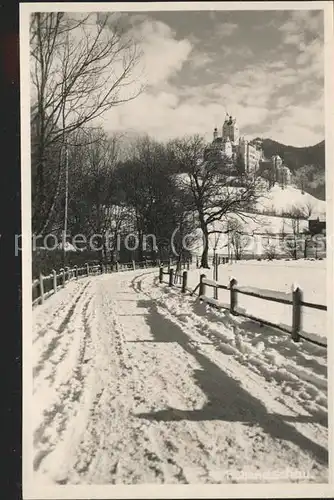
(47, 285)
(293, 299)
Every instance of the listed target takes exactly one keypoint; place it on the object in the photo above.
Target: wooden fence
(294, 299)
(45, 286)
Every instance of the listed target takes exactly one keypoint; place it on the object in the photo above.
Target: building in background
(244, 154)
(231, 130)
(250, 156)
(317, 224)
(221, 144)
(275, 171)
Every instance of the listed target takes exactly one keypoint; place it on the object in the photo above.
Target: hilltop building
(245, 155)
(275, 171)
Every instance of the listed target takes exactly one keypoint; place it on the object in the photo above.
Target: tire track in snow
(69, 392)
(152, 450)
(58, 338)
(143, 440)
(152, 454)
(109, 408)
(43, 329)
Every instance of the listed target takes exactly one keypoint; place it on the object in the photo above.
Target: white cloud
(300, 125)
(166, 111)
(163, 55)
(300, 23)
(295, 135)
(164, 117)
(311, 60)
(200, 59)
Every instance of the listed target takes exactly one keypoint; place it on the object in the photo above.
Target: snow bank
(300, 370)
(277, 276)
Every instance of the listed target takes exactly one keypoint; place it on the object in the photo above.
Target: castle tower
(231, 129)
(226, 128)
(235, 132)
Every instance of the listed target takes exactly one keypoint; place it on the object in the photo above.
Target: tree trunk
(305, 247)
(141, 245)
(205, 254)
(295, 253)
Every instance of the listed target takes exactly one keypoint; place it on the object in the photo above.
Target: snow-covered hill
(281, 200)
(277, 200)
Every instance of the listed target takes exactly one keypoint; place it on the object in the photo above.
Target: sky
(263, 67)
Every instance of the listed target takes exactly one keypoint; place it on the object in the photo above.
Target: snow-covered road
(134, 383)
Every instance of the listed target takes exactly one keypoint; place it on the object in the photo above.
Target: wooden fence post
(76, 271)
(184, 281)
(233, 295)
(87, 269)
(188, 264)
(67, 271)
(41, 287)
(161, 274)
(54, 272)
(202, 286)
(215, 290)
(171, 277)
(63, 275)
(117, 266)
(133, 265)
(297, 297)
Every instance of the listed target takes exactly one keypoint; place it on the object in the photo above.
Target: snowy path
(135, 384)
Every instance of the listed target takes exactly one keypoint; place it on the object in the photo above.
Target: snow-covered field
(136, 383)
(277, 275)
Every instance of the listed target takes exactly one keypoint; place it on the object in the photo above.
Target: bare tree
(307, 241)
(302, 177)
(80, 68)
(95, 205)
(271, 251)
(208, 183)
(150, 190)
(308, 208)
(292, 240)
(237, 236)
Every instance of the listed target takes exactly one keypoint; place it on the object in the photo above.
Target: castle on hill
(244, 156)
